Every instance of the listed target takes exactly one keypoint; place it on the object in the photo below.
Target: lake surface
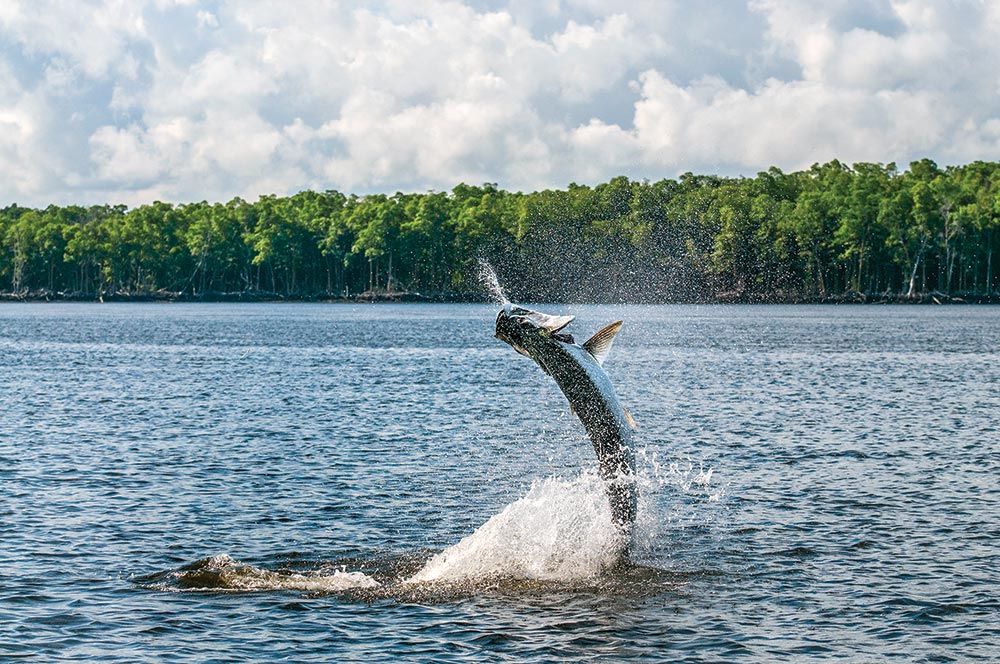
(317, 483)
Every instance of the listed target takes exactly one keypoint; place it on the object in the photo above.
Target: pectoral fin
(628, 416)
(599, 345)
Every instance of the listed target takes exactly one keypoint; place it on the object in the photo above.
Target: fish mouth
(512, 329)
(520, 328)
(533, 319)
(504, 326)
(501, 316)
(516, 324)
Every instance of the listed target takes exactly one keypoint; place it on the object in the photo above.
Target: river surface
(331, 483)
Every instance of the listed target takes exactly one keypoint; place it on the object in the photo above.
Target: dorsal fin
(599, 345)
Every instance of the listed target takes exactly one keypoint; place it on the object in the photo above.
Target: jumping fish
(578, 372)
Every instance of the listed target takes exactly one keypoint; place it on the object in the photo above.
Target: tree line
(829, 231)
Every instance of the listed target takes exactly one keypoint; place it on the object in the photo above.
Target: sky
(131, 101)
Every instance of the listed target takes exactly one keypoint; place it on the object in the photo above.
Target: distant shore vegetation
(867, 232)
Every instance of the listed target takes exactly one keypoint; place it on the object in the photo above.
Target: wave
(223, 573)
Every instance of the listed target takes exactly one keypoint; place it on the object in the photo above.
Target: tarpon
(578, 372)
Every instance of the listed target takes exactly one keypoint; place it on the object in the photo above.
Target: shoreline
(406, 297)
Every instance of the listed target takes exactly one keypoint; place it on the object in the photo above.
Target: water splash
(488, 278)
(560, 531)
(680, 473)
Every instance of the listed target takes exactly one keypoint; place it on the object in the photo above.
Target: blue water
(276, 482)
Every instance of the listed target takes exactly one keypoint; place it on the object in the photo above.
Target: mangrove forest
(859, 233)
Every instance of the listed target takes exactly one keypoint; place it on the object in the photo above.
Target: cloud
(792, 124)
(108, 101)
(94, 36)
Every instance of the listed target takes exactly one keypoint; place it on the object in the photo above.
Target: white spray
(560, 531)
(488, 278)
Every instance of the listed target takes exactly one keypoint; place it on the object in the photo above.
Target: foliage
(830, 230)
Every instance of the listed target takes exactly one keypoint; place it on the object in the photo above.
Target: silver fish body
(578, 372)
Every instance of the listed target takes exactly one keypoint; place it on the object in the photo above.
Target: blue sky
(132, 101)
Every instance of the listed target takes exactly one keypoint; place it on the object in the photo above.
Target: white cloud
(109, 100)
(93, 35)
(207, 19)
(126, 156)
(792, 124)
(31, 165)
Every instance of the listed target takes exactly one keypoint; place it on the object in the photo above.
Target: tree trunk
(913, 278)
(859, 278)
(951, 269)
(989, 269)
(819, 276)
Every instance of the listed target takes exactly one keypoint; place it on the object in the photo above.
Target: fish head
(528, 330)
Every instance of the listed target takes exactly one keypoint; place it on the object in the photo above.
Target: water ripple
(819, 483)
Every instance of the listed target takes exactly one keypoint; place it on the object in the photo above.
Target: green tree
(860, 237)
